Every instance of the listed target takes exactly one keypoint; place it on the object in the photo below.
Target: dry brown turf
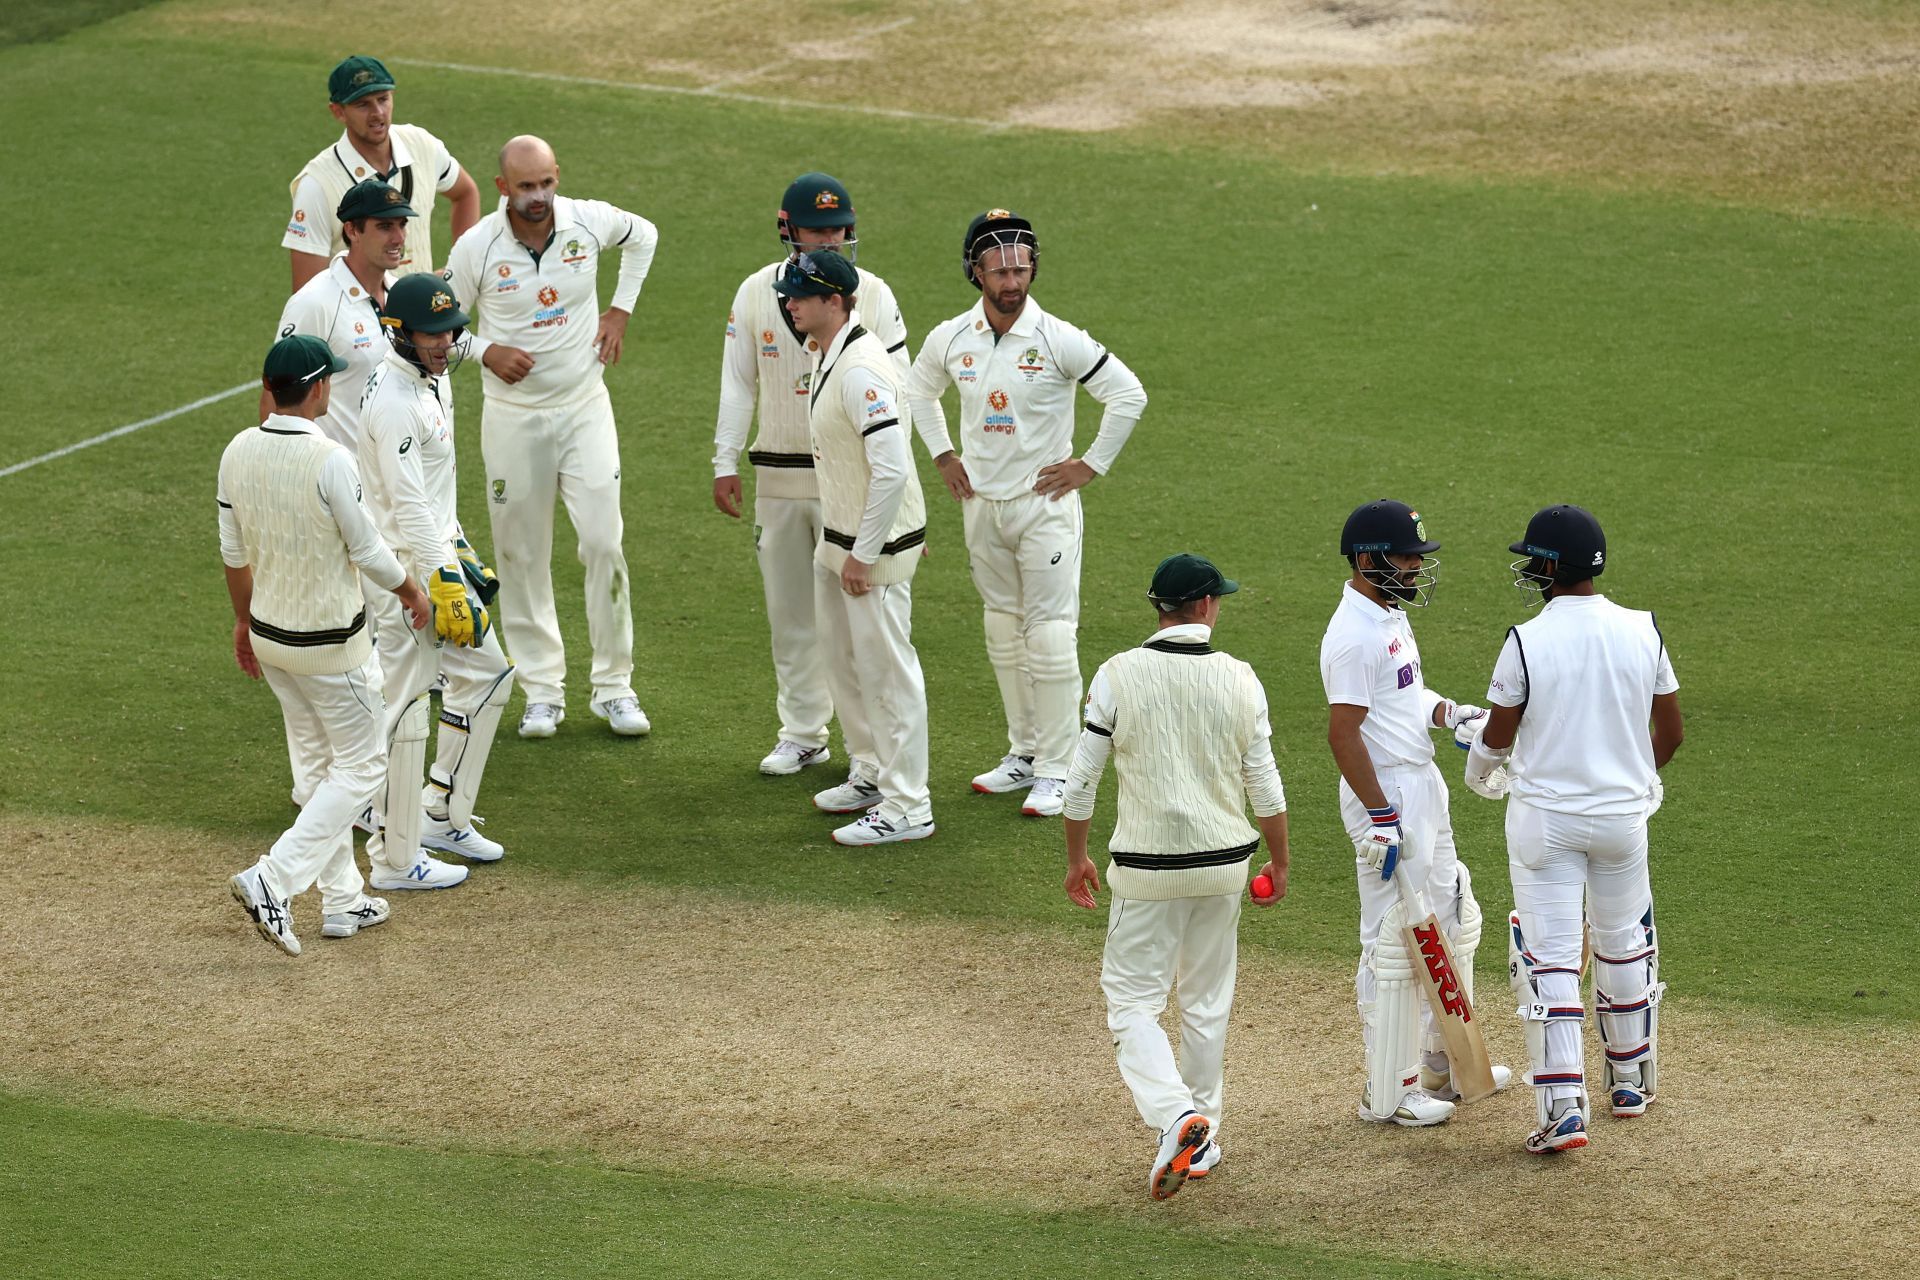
(957, 1060)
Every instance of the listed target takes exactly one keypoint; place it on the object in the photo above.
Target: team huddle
(358, 594)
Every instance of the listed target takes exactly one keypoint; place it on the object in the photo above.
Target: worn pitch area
(929, 1057)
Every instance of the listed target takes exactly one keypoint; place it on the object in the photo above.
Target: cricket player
(296, 544)
(873, 532)
(1187, 728)
(360, 96)
(1017, 481)
(1393, 800)
(530, 271)
(407, 456)
(341, 307)
(766, 356)
(1569, 745)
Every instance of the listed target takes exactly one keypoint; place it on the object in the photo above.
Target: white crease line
(686, 91)
(130, 428)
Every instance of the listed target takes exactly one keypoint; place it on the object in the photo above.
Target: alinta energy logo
(998, 399)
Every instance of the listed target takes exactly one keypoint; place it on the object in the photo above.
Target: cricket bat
(1452, 1010)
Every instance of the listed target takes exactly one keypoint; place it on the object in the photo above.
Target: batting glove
(1658, 797)
(1381, 846)
(455, 618)
(478, 575)
(1487, 770)
(1466, 721)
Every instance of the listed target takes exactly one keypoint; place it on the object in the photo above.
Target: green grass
(162, 1198)
(34, 21)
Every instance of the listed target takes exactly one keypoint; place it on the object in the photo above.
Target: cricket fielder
(407, 455)
(1187, 728)
(873, 532)
(417, 164)
(296, 544)
(767, 356)
(1017, 481)
(1393, 800)
(1568, 744)
(530, 271)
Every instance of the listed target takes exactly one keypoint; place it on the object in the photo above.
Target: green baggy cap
(357, 77)
(373, 198)
(298, 359)
(1187, 577)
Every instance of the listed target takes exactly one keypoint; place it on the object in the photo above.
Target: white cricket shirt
(1585, 672)
(1016, 396)
(1368, 659)
(337, 309)
(406, 464)
(422, 165)
(548, 303)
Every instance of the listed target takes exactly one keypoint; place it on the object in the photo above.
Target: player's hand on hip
(419, 608)
(509, 364)
(1083, 881)
(243, 648)
(612, 332)
(726, 495)
(954, 472)
(855, 579)
(1380, 847)
(452, 612)
(1278, 874)
(1062, 478)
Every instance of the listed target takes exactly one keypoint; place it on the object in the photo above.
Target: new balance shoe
(1011, 774)
(1046, 799)
(428, 873)
(442, 836)
(541, 719)
(1417, 1109)
(1565, 1132)
(1204, 1163)
(1173, 1162)
(790, 757)
(271, 915)
(1628, 1100)
(855, 795)
(874, 829)
(363, 914)
(368, 821)
(623, 716)
(1439, 1084)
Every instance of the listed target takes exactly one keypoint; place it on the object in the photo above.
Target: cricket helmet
(1382, 528)
(817, 201)
(1563, 545)
(997, 229)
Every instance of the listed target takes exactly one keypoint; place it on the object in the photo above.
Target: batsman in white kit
(1393, 802)
(766, 356)
(1586, 712)
(1015, 476)
(296, 544)
(530, 272)
(407, 457)
(341, 307)
(873, 530)
(1188, 731)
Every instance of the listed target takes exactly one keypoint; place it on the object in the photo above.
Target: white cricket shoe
(1564, 1132)
(1417, 1109)
(363, 914)
(1011, 774)
(873, 829)
(624, 716)
(541, 719)
(855, 795)
(1173, 1162)
(428, 873)
(368, 821)
(272, 915)
(441, 835)
(790, 757)
(1439, 1084)
(1045, 799)
(1203, 1164)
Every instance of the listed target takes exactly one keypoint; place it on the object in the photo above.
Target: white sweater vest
(840, 462)
(416, 183)
(1184, 720)
(308, 617)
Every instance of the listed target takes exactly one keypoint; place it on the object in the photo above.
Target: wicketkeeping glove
(1381, 846)
(455, 617)
(481, 578)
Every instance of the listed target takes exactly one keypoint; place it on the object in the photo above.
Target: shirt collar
(1574, 602)
(349, 155)
(407, 367)
(350, 283)
(1371, 610)
(834, 348)
(1026, 324)
(1183, 633)
(289, 424)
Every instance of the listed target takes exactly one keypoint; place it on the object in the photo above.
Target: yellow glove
(454, 616)
(480, 577)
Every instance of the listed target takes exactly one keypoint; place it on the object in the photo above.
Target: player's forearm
(734, 421)
(240, 591)
(1668, 730)
(930, 424)
(1265, 792)
(1083, 775)
(1273, 831)
(887, 462)
(1355, 765)
(1076, 831)
(1115, 427)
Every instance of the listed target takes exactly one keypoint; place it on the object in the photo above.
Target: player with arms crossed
(296, 544)
(417, 164)
(407, 455)
(1568, 743)
(765, 354)
(1393, 802)
(1017, 481)
(1187, 728)
(531, 273)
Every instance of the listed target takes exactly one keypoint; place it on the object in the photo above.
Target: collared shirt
(1368, 659)
(870, 401)
(1017, 396)
(422, 165)
(336, 308)
(548, 302)
(406, 455)
(339, 491)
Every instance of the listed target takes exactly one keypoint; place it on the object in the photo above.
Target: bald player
(371, 145)
(530, 275)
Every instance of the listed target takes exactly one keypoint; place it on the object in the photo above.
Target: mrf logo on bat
(1440, 969)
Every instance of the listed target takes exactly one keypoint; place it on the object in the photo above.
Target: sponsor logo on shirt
(574, 254)
(506, 283)
(768, 348)
(997, 398)
(550, 315)
(803, 383)
(877, 408)
(967, 372)
(1030, 362)
(730, 325)
(1405, 676)
(999, 420)
(1393, 646)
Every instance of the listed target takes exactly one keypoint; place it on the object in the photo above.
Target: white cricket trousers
(785, 533)
(531, 455)
(1556, 860)
(878, 691)
(1150, 946)
(1024, 555)
(346, 712)
(308, 754)
(1427, 859)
